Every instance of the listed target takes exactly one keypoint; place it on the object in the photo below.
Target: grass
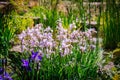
(111, 28)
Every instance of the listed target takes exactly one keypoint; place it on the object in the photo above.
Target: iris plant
(26, 65)
(42, 38)
(4, 75)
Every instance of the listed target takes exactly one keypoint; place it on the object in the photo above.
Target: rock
(116, 52)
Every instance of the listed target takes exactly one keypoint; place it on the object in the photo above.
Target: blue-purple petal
(34, 54)
(25, 63)
(40, 58)
(5, 76)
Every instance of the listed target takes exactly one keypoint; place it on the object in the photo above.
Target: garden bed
(41, 44)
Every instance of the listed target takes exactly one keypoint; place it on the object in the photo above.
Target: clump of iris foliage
(65, 53)
(72, 54)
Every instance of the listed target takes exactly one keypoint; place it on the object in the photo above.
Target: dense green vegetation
(60, 39)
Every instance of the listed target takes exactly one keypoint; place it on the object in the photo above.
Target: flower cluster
(68, 37)
(37, 37)
(109, 66)
(42, 39)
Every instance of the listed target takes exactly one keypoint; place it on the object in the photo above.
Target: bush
(17, 23)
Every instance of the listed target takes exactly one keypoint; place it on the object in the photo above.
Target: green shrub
(18, 23)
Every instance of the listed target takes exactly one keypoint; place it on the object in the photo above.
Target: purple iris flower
(5, 76)
(25, 64)
(40, 58)
(34, 54)
(1, 78)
